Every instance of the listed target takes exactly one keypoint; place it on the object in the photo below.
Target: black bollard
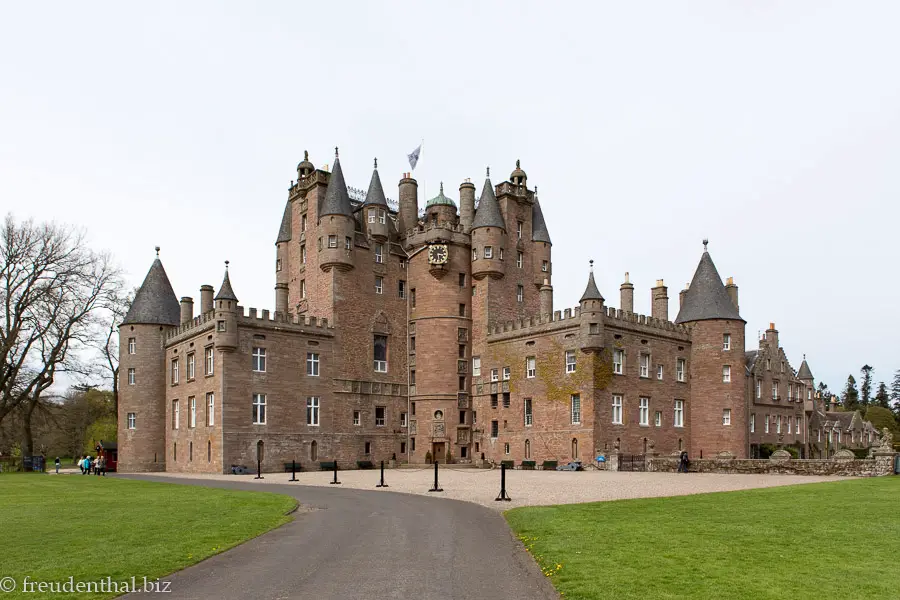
(436, 488)
(259, 469)
(503, 495)
(293, 471)
(382, 484)
(335, 481)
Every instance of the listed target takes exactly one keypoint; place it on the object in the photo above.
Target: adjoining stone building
(409, 334)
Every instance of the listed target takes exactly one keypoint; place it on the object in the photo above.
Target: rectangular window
(412, 297)
(303, 221)
(303, 253)
(679, 413)
(617, 410)
(618, 362)
(501, 253)
(302, 288)
(192, 412)
(403, 419)
(778, 424)
(382, 217)
(401, 288)
(332, 241)
(356, 417)
(506, 373)
(752, 423)
(493, 400)
(818, 435)
(520, 260)
(348, 243)
(570, 361)
(775, 391)
(476, 366)
(380, 353)
(210, 409)
(462, 310)
(495, 375)
(259, 360)
(474, 253)
(461, 353)
(726, 417)
(759, 388)
(462, 417)
(372, 216)
(412, 344)
(576, 409)
(529, 418)
(379, 285)
(518, 230)
(488, 252)
(545, 266)
(645, 365)
(132, 345)
(208, 354)
(645, 411)
(277, 264)
(131, 376)
(726, 374)
(495, 429)
(505, 399)
(190, 366)
(797, 423)
(679, 369)
(176, 417)
(379, 416)
(659, 372)
(175, 371)
(312, 364)
(402, 263)
(530, 367)
(766, 424)
(379, 253)
(132, 420)
(726, 342)
(312, 411)
(259, 409)
(787, 424)
(462, 280)
(657, 419)
(520, 293)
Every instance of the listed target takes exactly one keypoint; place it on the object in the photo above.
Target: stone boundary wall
(881, 464)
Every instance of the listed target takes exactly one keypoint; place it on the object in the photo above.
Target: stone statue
(887, 439)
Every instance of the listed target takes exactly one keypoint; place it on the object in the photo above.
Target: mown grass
(835, 540)
(90, 528)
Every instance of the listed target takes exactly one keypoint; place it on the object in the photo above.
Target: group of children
(97, 465)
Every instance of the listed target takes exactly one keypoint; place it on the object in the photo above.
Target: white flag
(414, 157)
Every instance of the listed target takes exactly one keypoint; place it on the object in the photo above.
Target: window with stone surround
(474, 253)
(506, 373)
(401, 288)
(645, 365)
(132, 420)
(759, 388)
(495, 429)
(312, 364)
(132, 345)
(501, 253)
(506, 448)
(726, 342)
(529, 417)
(752, 423)
(303, 254)
(379, 416)
(778, 424)
(412, 297)
(679, 413)
(382, 217)
(774, 390)
(657, 420)
(380, 353)
(277, 265)
(332, 241)
(210, 409)
(209, 360)
(403, 419)
(518, 230)
(530, 367)
(372, 215)
(489, 252)
(576, 409)
(617, 409)
(494, 403)
(192, 412)
(726, 374)
(303, 222)
(175, 372)
(766, 424)
(131, 377)
(679, 369)
(659, 372)
(259, 409)
(259, 360)
(520, 259)
(726, 417)
(176, 418)
(545, 266)
(618, 362)
(303, 288)
(506, 400)
(462, 280)
(312, 411)
(348, 243)
(190, 366)
(495, 376)
(520, 293)
(570, 361)
(476, 366)
(645, 411)
(379, 253)
(379, 285)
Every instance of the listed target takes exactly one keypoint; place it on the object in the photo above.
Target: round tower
(282, 255)
(226, 303)
(590, 316)
(337, 226)
(440, 209)
(488, 236)
(408, 199)
(142, 367)
(466, 204)
(717, 410)
(375, 209)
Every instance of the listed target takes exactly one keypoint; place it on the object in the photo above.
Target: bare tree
(52, 287)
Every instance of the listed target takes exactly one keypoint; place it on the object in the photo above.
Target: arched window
(527, 449)
(314, 451)
(574, 448)
(260, 450)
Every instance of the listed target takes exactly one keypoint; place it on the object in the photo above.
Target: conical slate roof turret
(284, 232)
(375, 195)
(155, 302)
(225, 292)
(591, 292)
(539, 231)
(488, 213)
(804, 372)
(707, 298)
(337, 200)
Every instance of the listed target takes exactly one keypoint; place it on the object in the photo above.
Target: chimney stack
(682, 294)
(732, 290)
(659, 298)
(206, 298)
(187, 309)
(772, 336)
(467, 205)
(626, 293)
(409, 203)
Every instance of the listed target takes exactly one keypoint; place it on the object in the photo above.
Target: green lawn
(54, 527)
(828, 540)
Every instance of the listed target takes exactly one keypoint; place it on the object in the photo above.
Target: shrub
(860, 452)
(766, 450)
(449, 456)
(793, 450)
(428, 457)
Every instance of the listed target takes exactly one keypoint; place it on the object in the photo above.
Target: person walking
(102, 469)
(57, 465)
(81, 463)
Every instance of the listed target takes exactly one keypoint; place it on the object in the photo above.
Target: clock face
(437, 254)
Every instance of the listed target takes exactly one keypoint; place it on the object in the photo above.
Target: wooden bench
(365, 464)
(289, 467)
(549, 465)
(326, 465)
(527, 465)
(509, 464)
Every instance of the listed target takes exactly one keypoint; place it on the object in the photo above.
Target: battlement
(624, 319)
(197, 322)
(253, 316)
(513, 189)
(427, 232)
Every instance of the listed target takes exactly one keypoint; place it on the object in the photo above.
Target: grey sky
(771, 128)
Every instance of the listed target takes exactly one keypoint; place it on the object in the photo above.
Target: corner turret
(375, 208)
(540, 239)
(488, 235)
(282, 258)
(336, 223)
(440, 209)
(226, 303)
(590, 318)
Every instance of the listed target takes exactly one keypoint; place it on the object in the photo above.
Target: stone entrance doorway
(438, 451)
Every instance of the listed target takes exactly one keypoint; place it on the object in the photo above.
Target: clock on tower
(438, 254)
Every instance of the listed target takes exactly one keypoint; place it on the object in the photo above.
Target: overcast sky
(771, 128)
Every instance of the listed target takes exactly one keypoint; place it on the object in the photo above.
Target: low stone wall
(881, 464)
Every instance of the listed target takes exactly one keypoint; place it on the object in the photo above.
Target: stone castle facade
(409, 334)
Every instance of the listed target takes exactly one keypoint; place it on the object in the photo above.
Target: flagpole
(424, 180)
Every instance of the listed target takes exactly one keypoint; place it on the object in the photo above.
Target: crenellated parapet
(196, 325)
(426, 233)
(616, 317)
(252, 317)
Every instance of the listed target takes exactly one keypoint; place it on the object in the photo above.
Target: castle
(418, 335)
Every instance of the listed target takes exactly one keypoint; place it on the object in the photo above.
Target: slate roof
(539, 231)
(591, 292)
(750, 359)
(225, 292)
(375, 195)
(488, 213)
(337, 200)
(155, 301)
(284, 232)
(706, 297)
(804, 372)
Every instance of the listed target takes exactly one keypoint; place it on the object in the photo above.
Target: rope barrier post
(382, 484)
(436, 488)
(259, 469)
(335, 481)
(293, 471)
(503, 495)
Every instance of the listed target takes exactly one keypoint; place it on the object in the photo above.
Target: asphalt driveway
(348, 544)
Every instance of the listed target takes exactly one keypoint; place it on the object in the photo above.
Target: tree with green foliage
(882, 398)
(895, 394)
(850, 397)
(880, 418)
(865, 388)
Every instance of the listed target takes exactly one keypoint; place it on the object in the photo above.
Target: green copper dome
(440, 199)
